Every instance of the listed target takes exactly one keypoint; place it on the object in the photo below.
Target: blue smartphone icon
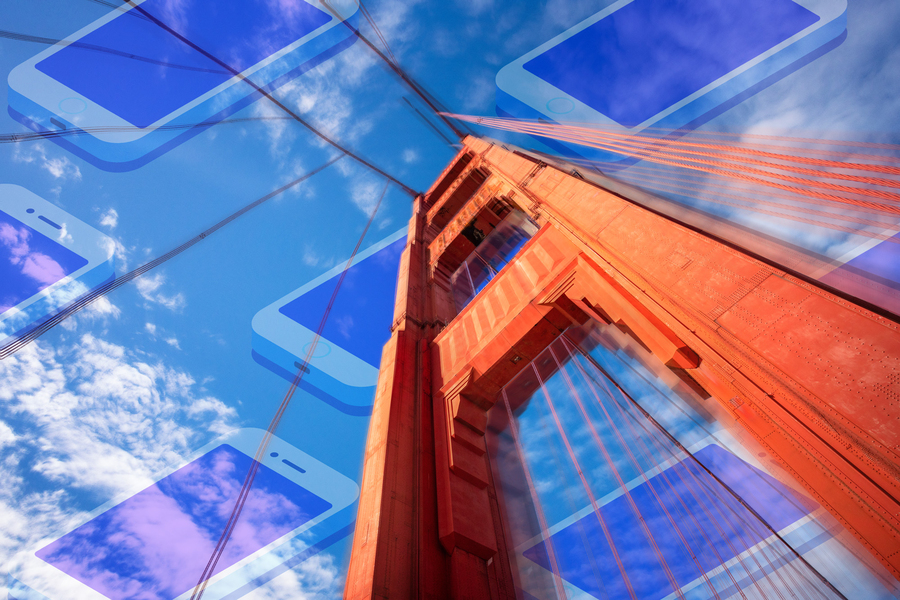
(48, 259)
(155, 543)
(585, 558)
(673, 65)
(343, 370)
(136, 83)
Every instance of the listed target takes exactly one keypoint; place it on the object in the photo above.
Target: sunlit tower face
(578, 369)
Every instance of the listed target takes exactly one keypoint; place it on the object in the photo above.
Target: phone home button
(560, 106)
(72, 106)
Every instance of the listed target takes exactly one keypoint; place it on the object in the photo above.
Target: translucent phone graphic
(138, 82)
(633, 513)
(155, 544)
(642, 64)
(654, 499)
(48, 259)
(344, 368)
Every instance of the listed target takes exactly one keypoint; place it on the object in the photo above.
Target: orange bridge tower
(505, 255)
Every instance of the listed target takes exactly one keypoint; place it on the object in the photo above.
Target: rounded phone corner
(13, 79)
(827, 10)
(258, 322)
(505, 78)
(126, 146)
(525, 95)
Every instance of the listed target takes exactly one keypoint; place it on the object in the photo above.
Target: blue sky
(162, 366)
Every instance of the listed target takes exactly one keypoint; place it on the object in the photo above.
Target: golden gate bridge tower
(584, 397)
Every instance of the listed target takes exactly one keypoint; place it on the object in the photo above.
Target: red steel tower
(807, 379)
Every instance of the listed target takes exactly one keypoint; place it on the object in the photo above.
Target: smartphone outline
(335, 375)
(35, 98)
(74, 235)
(31, 577)
(522, 94)
(806, 531)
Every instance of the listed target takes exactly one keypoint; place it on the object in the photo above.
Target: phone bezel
(44, 579)
(536, 93)
(46, 92)
(718, 437)
(75, 235)
(287, 334)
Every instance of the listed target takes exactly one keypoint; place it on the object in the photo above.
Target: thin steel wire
(19, 341)
(200, 588)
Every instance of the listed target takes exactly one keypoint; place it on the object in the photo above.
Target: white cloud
(562, 14)
(110, 218)
(92, 420)
(102, 307)
(64, 235)
(60, 168)
(400, 31)
(316, 577)
(477, 94)
(475, 7)
(295, 170)
(148, 287)
(365, 194)
(311, 258)
(324, 96)
(845, 94)
(153, 330)
(281, 132)
(410, 155)
(115, 248)
(344, 324)
(89, 418)
(98, 311)
(7, 435)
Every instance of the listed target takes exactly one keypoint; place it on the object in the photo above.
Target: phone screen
(715, 525)
(156, 544)
(139, 71)
(30, 262)
(650, 54)
(360, 320)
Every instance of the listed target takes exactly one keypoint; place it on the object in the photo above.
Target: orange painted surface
(812, 378)
(823, 374)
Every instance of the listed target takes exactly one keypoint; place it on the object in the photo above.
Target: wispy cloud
(365, 194)
(116, 249)
(157, 332)
(59, 167)
(312, 258)
(7, 435)
(110, 218)
(93, 420)
(316, 577)
(98, 312)
(324, 96)
(477, 93)
(90, 418)
(148, 287)
(344, 324)
(475, 7)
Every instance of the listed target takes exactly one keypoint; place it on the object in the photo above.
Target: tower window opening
(490, 255)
